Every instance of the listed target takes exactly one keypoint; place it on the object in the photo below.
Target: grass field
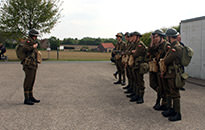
(66, 55)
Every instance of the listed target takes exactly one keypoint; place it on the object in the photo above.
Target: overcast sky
(105, 18)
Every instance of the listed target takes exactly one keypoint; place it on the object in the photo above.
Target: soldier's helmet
(172, 32)
(136, 34)
(119, 35)
(33, 32)
(127, 34)
(159, 32)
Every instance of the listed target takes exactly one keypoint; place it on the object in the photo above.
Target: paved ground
(81, 96)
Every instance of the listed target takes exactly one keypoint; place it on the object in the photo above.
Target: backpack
(187, 54)
(20, 52)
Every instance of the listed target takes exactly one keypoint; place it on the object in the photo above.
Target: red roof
(107, 45)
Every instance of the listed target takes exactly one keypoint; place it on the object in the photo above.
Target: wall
(193, 35)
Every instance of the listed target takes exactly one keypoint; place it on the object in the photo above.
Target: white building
(193, 35)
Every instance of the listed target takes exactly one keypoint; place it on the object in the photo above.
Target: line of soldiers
(161, 59)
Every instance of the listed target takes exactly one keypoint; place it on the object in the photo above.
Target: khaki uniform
(30, 66)
(130, 73)
(139, 57)
(156, 81)
(172, 58)
(119, 48)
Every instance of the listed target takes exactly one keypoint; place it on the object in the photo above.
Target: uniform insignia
(139, 45)
(173, 50)
(169, 47)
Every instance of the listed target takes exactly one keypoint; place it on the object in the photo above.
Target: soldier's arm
(171, 56)
(140, 51)
(28, 48)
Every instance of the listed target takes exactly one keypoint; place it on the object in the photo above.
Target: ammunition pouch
(131, 60)
(39, 57)
(144, 68)
(117, 56)
(125, 59)
(180, 77)
(162, 66)
(29, 61)
(153, 66)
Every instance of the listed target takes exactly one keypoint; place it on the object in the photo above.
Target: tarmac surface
(82, 96)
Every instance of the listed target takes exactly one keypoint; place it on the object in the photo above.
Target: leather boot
(27, 100)
(128, 91)
(134, 98)
(118, 82)
(140, 100)
(128, 86)
(169, 112)
(157, 105)
(123, 83)
(175, 117)
(131, 95)
(33, 99)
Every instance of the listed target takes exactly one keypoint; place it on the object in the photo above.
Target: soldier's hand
(35, 45)
(133, 51)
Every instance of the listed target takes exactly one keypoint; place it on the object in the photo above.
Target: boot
(134, 98)
(175, 117)
(157, 105)
(182, 89)
(27, 100)
(169, 112)
(128, 91)
(33, 99)
(131, 95)
(118, 82)
(123, 83)
(140, 100)
(127, 87)
(115, 75)
(162, 108)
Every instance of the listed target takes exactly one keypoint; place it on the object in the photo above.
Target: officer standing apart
(172, 64)
(30, 66)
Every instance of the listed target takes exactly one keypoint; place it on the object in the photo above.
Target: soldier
(179, 40)
(130, 65)
(126, 57)
(157, 50)
(30, 66)
(139, 68)
(171, 63)
(119, 49)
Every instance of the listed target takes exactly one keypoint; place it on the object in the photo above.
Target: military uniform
(130, 73)
(172, 59)
(119, 49)
(30, 65)
(156, 81)
(139, 58)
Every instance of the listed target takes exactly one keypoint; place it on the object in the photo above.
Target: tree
(146, 38)
(54, 43)
(19, 16)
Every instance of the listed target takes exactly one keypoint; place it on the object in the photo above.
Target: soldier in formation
(119, 51)
(163, 61)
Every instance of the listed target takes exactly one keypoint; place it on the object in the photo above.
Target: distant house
(106, 47)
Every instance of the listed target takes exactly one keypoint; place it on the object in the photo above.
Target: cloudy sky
(104, 18)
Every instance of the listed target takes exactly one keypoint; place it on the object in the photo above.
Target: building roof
(193, 19)
(107, 45)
